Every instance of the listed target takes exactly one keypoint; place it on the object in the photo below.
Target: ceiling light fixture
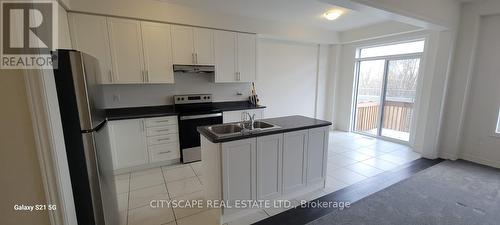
(333, 14)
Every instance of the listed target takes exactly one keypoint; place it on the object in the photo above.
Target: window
(386, 87)
(393, 49)
(497, 131)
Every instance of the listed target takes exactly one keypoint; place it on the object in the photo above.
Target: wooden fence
(397, 116)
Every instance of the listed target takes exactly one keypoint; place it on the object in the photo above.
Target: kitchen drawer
(163, 139)
(155, 131)
(161, 121)
(163, 152)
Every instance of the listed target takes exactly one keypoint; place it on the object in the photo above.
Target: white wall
(134, 95)
(477, 142)
(287, 77)
(461, 92)
(19, 165)
(64, 40)
(333, 84)
(379, 30)
(432, 92)
(322, 82)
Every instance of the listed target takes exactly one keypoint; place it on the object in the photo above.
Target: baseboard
(480, 160)
(447, 155)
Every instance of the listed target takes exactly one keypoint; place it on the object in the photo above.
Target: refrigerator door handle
(93, 175)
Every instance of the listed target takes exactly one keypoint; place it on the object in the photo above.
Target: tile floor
(351, 159)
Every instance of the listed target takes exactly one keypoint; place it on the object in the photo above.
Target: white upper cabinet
(225, 56)
(182, 44)
(133, 51)
(157, 47)
(89, 34)
(126, 50)
(246, 57)
(192, 45)
(203, 46)
(235, 57)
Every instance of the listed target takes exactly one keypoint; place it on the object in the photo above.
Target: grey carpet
(450, 193)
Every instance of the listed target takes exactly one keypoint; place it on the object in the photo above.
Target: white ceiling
(303, 12)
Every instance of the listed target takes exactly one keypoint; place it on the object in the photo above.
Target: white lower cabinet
(269, 164)
(317, 150)
(236, 116)
(168, 151)
(128, 143)
(136, 143)
(294, 160)
(271, 167)
(238, 171)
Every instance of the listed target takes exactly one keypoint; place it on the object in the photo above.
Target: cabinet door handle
(161, 121)
(160, 153)
(163, 130)
(194, 58)
(147, 75)
(163, 139)
(143, 125)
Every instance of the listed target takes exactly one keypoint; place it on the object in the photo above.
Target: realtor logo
(28, 34)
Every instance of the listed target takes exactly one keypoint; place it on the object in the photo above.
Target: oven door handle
(193, 117)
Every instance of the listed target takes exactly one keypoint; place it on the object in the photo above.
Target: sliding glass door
(369, 96)
(385, 93)
(401, 85)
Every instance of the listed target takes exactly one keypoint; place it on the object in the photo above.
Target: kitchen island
(280, 159)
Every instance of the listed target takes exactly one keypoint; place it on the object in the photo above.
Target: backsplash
(135, 95)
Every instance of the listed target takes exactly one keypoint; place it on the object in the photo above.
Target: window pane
(370, 81)
(399, 98)
(396, 49)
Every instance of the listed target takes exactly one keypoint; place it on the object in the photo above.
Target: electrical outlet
(116, 98)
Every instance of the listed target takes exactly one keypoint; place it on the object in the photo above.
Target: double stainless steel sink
(230, 129)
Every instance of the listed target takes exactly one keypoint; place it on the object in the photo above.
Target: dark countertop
(286, 124)
(170, 110)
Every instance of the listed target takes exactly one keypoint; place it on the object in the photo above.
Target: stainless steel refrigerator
(86, 138)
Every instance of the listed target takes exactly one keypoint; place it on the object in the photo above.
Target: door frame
(380, 114)
(50, 147)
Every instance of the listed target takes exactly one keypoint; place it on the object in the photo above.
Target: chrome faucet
(251, 119)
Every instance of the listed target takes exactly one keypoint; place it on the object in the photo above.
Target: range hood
(194, 68)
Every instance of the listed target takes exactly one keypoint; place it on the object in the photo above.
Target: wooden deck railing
(397, 116)
(367, 116)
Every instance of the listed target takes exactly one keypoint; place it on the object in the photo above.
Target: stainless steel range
(194, 110)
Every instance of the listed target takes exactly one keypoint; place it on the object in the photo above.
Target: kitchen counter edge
(286, 124)
(169, 110)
